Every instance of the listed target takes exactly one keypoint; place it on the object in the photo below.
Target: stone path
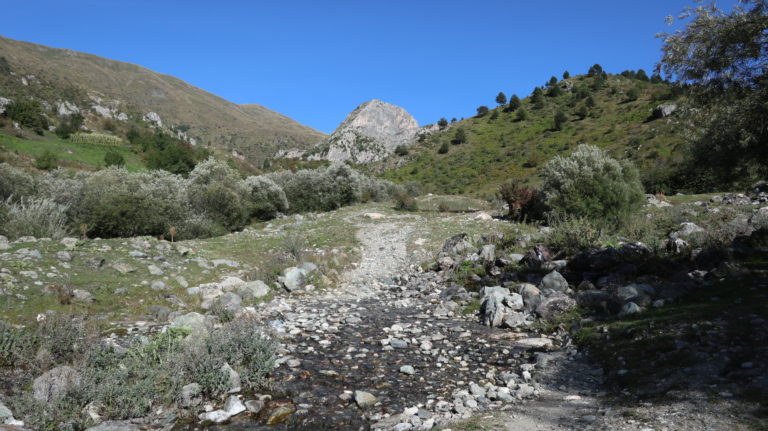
(392, 333)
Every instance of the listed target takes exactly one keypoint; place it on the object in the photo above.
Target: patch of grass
(69, 154)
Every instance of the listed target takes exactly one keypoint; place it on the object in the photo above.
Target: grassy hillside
(82, 156)
(55, 75)
(499, 146)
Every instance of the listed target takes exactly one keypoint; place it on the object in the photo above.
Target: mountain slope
(499, 146)
(107, 88)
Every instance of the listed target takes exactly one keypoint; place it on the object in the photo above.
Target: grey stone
(629, 308)
(365, 399)
(398, 344)
(664, 110)
(191, 395)
(158, 285)
(308, 267)
(686, 229)
(84, 296)
(137, 254)
(54, 383)
(216, 416)
(225, 262)
(492, 310)
(123, 268)
(5, 413)
(407, 369)
(64, 256)
(255, 406)
(531, 296)
(95, 262)
(234, 379)
(294, 279)
(555, 305)
(457, 245)
(234, 406)
(231, 301)
(253, 290)
(554, 281)
(488, 253)
(155, 270)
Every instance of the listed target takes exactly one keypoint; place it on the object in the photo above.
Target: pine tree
(501, 98)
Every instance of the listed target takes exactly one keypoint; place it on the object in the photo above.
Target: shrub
(15, 183)
(401, 150)
(46, 161)
(460, 136)
(443, 148)
(591, 184)
(113, 158)
(322, 189)
(573, 234)
(524, 202)
(244, 345)
(266, 198)
(115, 202)
(38, 217)
(406, 203)
(560, 119)
(28, 113)
(216, 191)
(482, 111)
(129, 214)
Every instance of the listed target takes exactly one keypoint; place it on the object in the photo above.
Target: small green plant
(406, 202)
(443, 148)
(113, 158)
(570, 235)
(47, 161)
(294, 244)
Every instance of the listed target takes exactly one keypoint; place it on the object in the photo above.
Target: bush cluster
(591, 184)
(213, 199)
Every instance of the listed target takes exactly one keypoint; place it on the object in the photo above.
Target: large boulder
(497, 304)
(253, 290)
(553, 282)
(664, 110)
(457, 245)
(54, 384)
(294, 279)
(686, 229)
(553, 306)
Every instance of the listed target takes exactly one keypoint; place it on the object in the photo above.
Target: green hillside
(123, 95)
(499, 146)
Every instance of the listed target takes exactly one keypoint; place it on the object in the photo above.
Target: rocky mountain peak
(369, 133)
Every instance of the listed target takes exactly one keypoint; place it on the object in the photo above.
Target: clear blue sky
(317, 60)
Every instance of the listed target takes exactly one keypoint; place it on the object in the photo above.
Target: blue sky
(317, 60)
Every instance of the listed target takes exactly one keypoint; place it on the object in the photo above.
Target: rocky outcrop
(369, 133)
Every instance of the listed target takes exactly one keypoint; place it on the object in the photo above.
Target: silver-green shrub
(589, 183)
(329, 188)
(32, 216)
(217, 191)
(266, 198)
(15, 182)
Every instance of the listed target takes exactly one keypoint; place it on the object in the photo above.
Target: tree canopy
(722, 59)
